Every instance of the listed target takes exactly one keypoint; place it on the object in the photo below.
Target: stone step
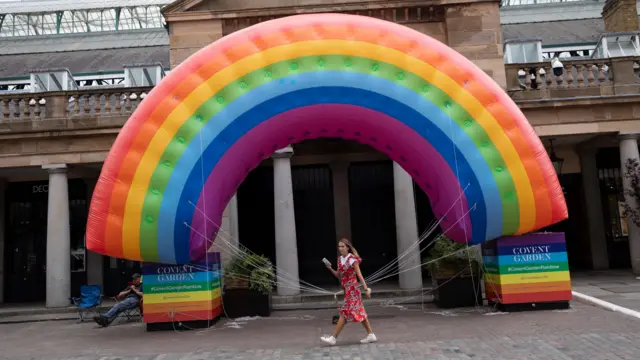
(19, 311)
(310, 303)
(374, 301)
(306, 301)
(8, 310)
(319, 298)
(19, 319)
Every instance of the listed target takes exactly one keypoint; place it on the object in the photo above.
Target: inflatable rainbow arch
(186, 149)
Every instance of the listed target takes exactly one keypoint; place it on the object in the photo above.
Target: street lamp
(555, 160)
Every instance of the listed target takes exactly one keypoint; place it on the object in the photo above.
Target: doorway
(256, 213)
(26, 239)
(25, 242)
(373, 219)
(610, 174)
(315, 222)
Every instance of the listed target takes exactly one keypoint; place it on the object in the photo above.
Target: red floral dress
(352, 309)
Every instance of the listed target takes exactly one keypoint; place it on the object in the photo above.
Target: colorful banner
(527, 269)
(182, 293)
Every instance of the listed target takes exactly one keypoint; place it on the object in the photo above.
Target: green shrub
(253, 272)
(447, 258)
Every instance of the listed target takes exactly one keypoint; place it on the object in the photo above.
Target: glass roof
(617, 45)
(57, 17)
(505, 3)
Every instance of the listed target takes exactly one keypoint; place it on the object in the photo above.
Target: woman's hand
(367, 291)
(334, 272)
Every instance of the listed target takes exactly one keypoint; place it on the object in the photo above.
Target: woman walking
(352, 310)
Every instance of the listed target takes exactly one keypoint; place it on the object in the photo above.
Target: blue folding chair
(89, 301)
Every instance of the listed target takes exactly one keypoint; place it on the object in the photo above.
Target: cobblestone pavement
(583, 332)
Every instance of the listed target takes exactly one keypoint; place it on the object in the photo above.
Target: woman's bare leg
(367, 326)
(339, 327)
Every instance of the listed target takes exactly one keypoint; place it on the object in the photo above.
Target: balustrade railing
(112, 106)
(86, 103)
(22, 106)
(574, 74)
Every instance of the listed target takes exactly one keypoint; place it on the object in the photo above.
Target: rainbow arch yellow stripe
(192, 141)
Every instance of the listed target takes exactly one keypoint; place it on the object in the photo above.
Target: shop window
(613, 196)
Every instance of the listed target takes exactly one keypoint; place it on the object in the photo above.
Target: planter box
(182, 296)
(457, 292)
(246, 302)
(527, 272)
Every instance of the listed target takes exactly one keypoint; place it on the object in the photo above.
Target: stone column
(227, 238)
(3, 230)
(406, 229)
(234, 229)
(593, 202)
(341, 207)
(95, 261)
(629, 150)
(286, 244)
(58, 238)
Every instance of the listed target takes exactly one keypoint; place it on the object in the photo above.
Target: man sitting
(132, 297)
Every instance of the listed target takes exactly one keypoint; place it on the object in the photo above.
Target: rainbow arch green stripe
(148, 182)
(282, 70)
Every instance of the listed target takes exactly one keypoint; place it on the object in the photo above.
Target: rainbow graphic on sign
(530, 268)
(182, 293)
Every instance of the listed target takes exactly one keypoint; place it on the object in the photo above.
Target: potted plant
(454, 273)
(247, 286)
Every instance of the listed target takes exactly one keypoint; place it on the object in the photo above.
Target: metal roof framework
(506, 3)
(617, 45)
(36, 18)
(42, 80)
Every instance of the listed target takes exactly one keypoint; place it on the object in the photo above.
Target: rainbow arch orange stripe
(191, 142)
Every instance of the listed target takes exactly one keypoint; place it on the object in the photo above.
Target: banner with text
(182, 293)
(527, 268)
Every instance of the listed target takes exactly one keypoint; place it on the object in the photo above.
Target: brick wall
(268, 4)
(474, 31)
(620, 15)
(187, 37)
